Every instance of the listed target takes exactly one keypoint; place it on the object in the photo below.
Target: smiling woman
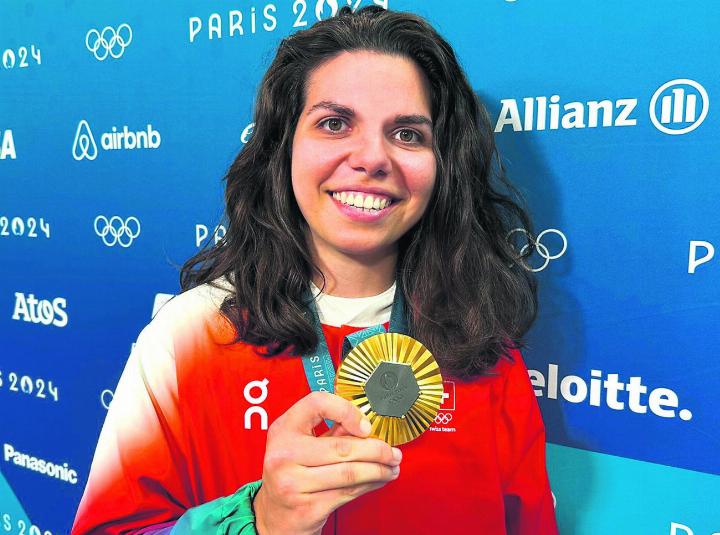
(369, 198)
(362, 170)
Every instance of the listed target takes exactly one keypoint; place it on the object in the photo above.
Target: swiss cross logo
(448, 398)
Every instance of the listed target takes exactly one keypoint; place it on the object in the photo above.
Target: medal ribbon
(318, 364)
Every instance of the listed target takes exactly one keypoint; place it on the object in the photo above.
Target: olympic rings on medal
(443, 418)
(109, 41)
(541, 248)
(116, 231)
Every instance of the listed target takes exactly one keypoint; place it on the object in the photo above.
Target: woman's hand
(305, 478)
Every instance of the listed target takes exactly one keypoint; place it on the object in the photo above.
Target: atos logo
(7, 145)
(85, 148)
(116, 230)
(255, 401)
(109, 41)
(679, 106)
(29, 308)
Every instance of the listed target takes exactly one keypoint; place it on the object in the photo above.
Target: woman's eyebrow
(349, 112)
(413, 119)
(332, 106)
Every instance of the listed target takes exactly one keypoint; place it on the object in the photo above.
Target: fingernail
(397, 454)
(395, 470)
(365, 426)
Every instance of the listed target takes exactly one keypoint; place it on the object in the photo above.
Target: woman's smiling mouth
(361, 206)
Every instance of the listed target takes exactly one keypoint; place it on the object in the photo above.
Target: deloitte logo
(85, 148)
(607, 390)
(677, 107)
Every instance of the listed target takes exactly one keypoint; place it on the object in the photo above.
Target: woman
(371, 179)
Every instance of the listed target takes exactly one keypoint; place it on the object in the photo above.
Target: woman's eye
(408, 136)
(333, 124)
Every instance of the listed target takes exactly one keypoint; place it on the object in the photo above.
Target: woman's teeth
(362, 201)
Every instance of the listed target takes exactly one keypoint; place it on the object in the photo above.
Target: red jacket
(188, 425)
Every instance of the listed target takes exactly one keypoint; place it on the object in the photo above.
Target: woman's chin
(367, 251)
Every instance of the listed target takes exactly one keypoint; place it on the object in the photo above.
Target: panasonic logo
(24, 460)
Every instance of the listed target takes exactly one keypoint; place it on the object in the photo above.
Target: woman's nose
(370, 155)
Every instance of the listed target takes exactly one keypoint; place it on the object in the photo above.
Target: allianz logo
(676, 107)
(45, 311)
(62, 472)
(85, 148)
(608, 390)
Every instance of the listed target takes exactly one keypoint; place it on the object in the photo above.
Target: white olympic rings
(443, 418)
(109, 41)
(542, 249)
(116, 231)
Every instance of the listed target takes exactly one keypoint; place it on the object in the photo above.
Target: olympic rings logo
(109, 41)
(116, 231)
(540, 247)
(443, 418)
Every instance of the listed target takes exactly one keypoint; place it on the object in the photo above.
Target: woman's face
(363, 167)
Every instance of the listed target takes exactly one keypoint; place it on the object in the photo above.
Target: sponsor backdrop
(118, 121)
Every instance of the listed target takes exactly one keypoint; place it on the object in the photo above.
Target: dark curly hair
(469, 295)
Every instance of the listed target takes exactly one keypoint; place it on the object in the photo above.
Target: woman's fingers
(328, 450)
(305, 477)
(334, 498)
(351, 476)
(307, 413)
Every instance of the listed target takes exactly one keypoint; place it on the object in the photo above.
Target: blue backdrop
(126, 116)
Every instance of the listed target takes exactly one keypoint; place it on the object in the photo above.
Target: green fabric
(230, 515)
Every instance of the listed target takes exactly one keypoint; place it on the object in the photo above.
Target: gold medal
(394, 380)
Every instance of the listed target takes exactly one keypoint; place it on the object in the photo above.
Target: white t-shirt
(354, 311)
